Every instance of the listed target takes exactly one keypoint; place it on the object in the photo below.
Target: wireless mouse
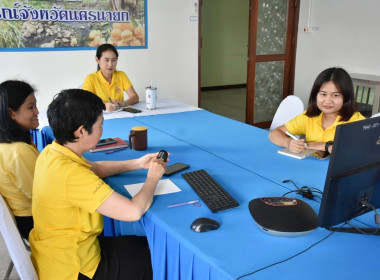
(204, 224)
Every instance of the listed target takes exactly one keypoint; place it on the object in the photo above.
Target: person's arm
(109, 168)
(119, 207)
(133, 97)
(278, 137)
(320, 146)
(22, 166)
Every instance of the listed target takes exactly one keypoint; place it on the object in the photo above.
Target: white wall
(348, 37)
(171, 59)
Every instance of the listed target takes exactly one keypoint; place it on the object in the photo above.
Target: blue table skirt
(173, 261)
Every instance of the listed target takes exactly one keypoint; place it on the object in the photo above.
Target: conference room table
(242, 159)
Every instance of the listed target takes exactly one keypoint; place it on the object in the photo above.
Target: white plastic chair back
(16, 248)
(290, 107)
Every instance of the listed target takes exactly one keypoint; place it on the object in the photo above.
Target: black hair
(12, 95)
(343, 83)
(70, 109)
(103, 48)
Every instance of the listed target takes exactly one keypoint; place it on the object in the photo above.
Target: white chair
(375, 115)
(290, 107)
(16, 247)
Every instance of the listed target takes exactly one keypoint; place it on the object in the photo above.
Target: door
(271, 57)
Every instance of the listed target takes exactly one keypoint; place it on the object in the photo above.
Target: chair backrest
(290, 107)
(47, 136)
(375, 115)
(16, 248)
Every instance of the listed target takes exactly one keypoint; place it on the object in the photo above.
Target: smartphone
(105, 141)
(131, 110)
(175, 168)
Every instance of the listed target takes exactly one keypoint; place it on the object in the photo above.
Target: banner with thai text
(71, 24)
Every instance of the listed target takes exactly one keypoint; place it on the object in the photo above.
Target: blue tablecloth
(246, 164)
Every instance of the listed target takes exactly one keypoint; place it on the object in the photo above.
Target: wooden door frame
(200, 2)
(288, 86)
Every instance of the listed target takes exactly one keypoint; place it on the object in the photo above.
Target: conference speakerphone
(283, 216)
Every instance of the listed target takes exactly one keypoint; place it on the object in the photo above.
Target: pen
(291, 135)
(114, 107)
(183, 203)
(116, 150)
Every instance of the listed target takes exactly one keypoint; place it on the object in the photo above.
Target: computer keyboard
(213, 195)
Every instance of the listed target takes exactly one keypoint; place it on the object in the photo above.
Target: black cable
(305, 191)
(287, 181)
(287, 259)
(377, 220)
(360, 230)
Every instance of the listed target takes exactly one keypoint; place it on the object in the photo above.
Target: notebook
(304, 154)
(118, 145)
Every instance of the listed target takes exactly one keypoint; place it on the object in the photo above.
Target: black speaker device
(283, 216)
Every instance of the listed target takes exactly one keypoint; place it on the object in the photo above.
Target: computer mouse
(204, 224)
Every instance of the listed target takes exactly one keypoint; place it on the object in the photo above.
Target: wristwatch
(327, 146)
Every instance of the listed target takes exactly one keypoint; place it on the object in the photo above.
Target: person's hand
(118, 103)
(297, 146)
(144, 161)
(110, 106)
(157, 168)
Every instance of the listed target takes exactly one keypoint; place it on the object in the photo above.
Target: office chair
(290, 107)
(47, 136)
(17, 248)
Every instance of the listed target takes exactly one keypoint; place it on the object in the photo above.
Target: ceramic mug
(140, 138)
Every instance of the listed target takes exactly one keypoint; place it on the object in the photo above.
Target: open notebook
(304, 154)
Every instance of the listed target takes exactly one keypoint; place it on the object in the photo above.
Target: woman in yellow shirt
(108, 83)
(331, 103)
(18, 155)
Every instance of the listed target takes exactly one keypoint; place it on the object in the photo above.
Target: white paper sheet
(163, 187)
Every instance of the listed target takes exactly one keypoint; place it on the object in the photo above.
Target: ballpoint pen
(114, 107)
(183, 203)
(291, 135)
(116, 150)
(295, 138)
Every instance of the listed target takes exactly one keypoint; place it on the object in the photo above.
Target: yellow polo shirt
(97, 84)
(312, 127)
(66, 194)
(17, 162)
